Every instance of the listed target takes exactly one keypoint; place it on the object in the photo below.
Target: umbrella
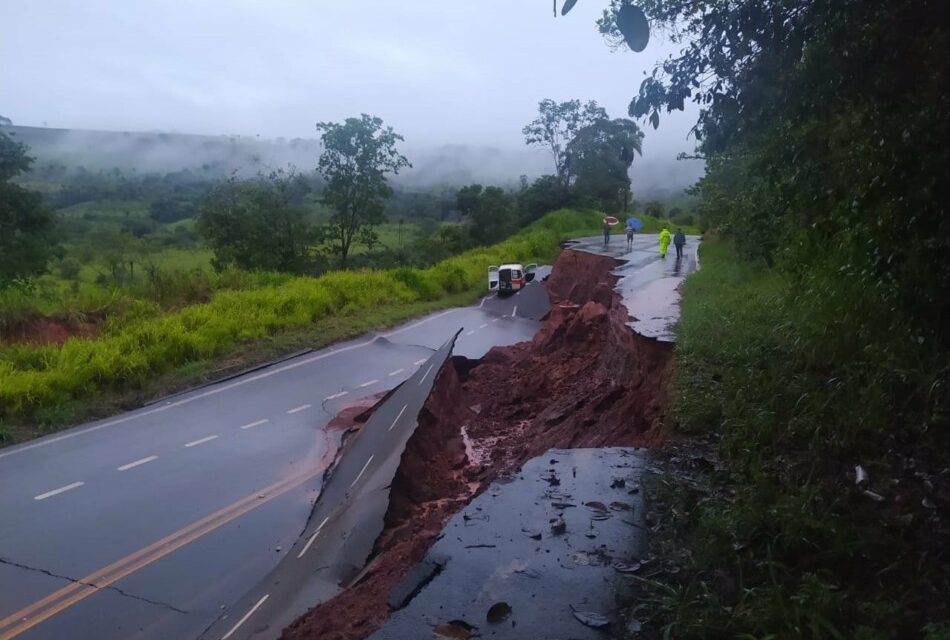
(634, 223)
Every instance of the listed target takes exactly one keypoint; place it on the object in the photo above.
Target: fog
(458, 80)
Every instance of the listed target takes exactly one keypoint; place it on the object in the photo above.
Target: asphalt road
(149, 524)
(648, 283)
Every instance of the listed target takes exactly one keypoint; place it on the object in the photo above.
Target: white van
(509, 278)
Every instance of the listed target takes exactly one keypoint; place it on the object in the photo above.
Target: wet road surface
(648, 283)
(147, 524)
(553, 540)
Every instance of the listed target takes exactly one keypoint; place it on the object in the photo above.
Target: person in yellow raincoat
(665, 239)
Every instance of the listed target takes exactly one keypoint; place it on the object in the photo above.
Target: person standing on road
(606, 232)
(665, 238)
(678, 241)
(629, 238)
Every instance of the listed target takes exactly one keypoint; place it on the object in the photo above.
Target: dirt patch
(47, 330)
(585, 380)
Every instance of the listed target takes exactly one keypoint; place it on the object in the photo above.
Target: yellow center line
(31, 615)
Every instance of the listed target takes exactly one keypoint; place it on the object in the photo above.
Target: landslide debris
(585, 380)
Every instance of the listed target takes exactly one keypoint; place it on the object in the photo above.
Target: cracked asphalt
(152, 522)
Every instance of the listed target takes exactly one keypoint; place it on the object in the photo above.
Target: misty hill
(446, 165)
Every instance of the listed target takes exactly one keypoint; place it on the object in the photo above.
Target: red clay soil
(585, 380)
(46, 330)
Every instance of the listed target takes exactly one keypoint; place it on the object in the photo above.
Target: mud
(585, 380)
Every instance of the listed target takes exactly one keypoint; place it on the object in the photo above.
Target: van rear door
(529, 272)
(492, 278)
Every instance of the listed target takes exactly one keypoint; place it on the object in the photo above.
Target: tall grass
(797, 380)
(139, 346)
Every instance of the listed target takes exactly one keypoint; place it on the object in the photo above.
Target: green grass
(116, 209)
(788, 380)
(142, 345)
(391, 237)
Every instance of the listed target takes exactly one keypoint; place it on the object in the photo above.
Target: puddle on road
(512, 574)
(654, 308)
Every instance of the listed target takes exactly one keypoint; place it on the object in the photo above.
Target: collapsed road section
(346, 520)
(585, 380)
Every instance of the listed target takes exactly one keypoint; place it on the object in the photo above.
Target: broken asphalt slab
(345, 522)
(537, 555)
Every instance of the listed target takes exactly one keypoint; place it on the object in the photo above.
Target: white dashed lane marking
(469, 333)
(368, 383)
(50, 494)
(396, 372)
(362, 471)
(418, 362)
(337, 395)
(483, 326)
(426, 375)
(255, 424)
(302, 407)
(137, 463)
(401, 411)
(195, 443)
(312, 538)
(246, 616)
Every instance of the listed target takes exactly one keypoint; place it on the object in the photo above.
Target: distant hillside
(148, 152)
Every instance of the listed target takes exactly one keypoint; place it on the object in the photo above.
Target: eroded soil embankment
(585, 380)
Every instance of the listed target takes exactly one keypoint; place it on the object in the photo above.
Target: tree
(493, 219)
(258, 224)
(27, 228)
(654, 208)
(546, 193)
(357, 155)
(468, 199)
(557, 124)
(599, 158)
(490, 212)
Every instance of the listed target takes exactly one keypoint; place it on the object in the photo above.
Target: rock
(498, 612)
(454, 630)
(591, 619)
(860, 476)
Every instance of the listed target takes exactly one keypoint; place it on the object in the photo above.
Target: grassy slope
(780, 543)
(43, 388)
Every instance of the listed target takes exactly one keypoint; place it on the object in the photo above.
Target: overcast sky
(439, 71)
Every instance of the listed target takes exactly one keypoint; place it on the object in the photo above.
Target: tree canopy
(27, 227)
(357, 155)
(557, 124)
(825, 125)
(598, 159)
(258, 224)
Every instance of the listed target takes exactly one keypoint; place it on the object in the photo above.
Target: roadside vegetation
(808, 493)
(55, 384)
(117, 286)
